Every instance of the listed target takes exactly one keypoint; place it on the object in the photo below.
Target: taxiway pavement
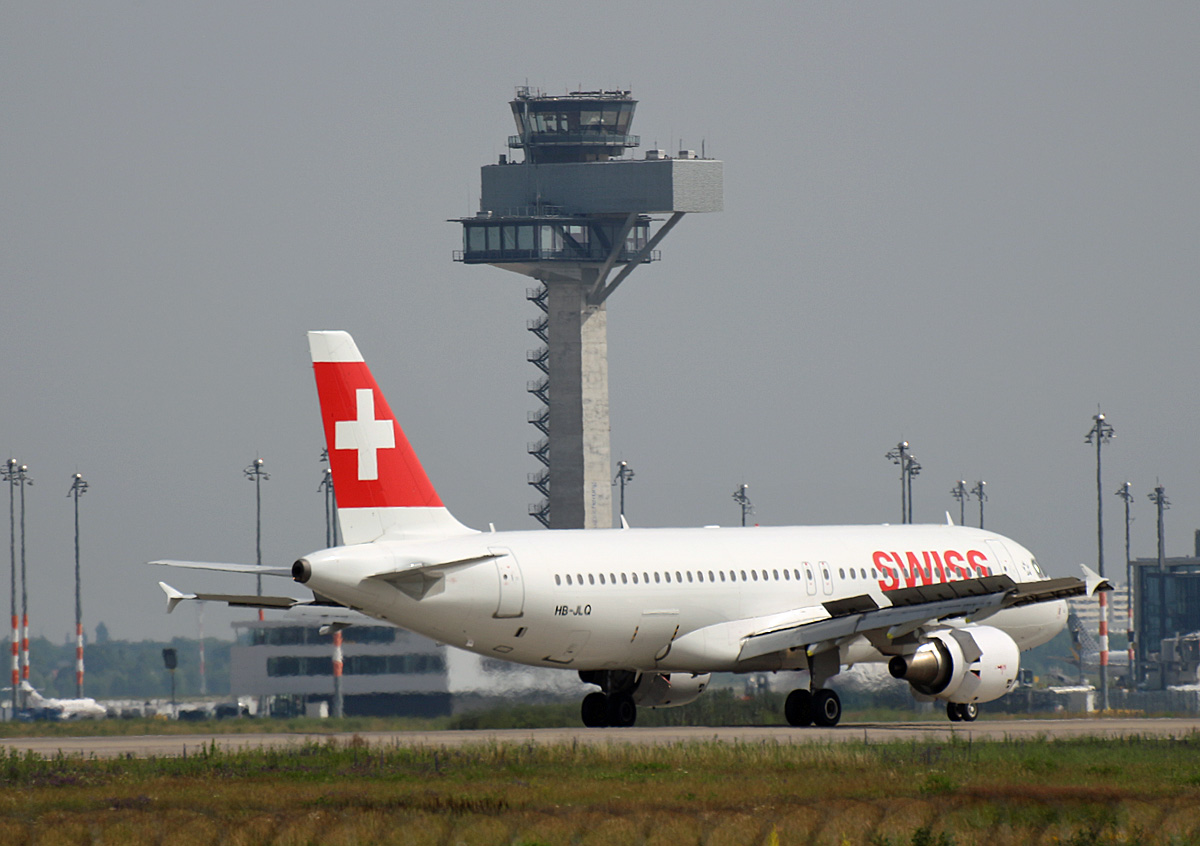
(179, 744)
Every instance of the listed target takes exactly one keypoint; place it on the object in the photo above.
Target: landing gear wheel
(594, 710)
(622, 712)
(966, 712)
(827, 707)
(798, 708)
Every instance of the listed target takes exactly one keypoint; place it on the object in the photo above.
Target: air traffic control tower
(576, 216)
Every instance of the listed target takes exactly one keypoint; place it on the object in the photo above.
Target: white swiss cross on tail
(365, 434)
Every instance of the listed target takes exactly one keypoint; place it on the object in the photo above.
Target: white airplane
(648, 614)
(67, 709)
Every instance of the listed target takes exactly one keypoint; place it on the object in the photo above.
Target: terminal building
(386, 672)
(1166, 611)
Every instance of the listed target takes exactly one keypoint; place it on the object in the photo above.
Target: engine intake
(972, 664)
(301, 571)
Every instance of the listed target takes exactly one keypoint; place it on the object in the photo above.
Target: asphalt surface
(163, 745)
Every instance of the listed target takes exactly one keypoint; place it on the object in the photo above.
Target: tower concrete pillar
(580, 456)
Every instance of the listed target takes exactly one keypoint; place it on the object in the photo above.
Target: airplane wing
(251, 569)
(913, 608)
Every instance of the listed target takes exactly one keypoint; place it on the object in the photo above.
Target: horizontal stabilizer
(174, 597)
(251, 569)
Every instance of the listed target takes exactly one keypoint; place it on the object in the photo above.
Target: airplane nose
(302, 570)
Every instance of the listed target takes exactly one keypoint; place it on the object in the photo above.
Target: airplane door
(512, 588)
(810, 581)
(999, 554)
(826, 577)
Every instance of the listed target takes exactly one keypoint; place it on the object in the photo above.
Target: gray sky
(958, 224)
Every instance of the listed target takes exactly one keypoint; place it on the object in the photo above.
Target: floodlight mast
(624, 476)
(960, 492)
(326, 487)
(981, 495)
(22, 481)
(1124, 493)
(743, 500)
(899, 456)
(78, 488)
(1159, 498)
(576, 216)
(1101, 433)
(912, 469)
(255, 473)
(10, 476)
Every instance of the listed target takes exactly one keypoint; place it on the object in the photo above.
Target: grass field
(1138, 791)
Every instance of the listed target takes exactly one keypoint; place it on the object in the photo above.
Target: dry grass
(1062, 792)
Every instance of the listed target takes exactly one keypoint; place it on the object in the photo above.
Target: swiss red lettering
(976, 558)
(955, 567)
(914, 566)
(928, 567)
(938, 561)
(889, 579)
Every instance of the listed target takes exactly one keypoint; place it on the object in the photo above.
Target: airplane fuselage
(666, 600)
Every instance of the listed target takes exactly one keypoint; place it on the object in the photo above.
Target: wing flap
(910, 609)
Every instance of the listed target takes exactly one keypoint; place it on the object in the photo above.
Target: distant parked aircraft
(66, 709)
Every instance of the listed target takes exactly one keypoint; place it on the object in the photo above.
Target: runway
(930, 732)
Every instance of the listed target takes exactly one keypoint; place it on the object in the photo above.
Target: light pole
(913, 468)
(10, 476)
(624, 476)
(1159, 498)
(981, 495)
(256, 474)
(78, 488)
(740, 497)
(326, 486)
(899, 456)
(1100, 434)
(960, 492)
(1124, 493)
(23, 480)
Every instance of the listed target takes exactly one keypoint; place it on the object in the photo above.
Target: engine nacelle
(973, 664)
(669, 690)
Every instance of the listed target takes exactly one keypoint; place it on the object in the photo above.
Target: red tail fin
(378, 480)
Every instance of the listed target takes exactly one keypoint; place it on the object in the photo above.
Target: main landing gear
(803, 707)
(600, 711)
(962, 712)
(615, 706)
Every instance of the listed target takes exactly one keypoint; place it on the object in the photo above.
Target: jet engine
(972, 664)
(668, 690)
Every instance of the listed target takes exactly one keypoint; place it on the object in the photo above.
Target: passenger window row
(700, 576)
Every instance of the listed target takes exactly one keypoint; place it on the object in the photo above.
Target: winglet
(949, 519)
(1094, 581)
(174, 597)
